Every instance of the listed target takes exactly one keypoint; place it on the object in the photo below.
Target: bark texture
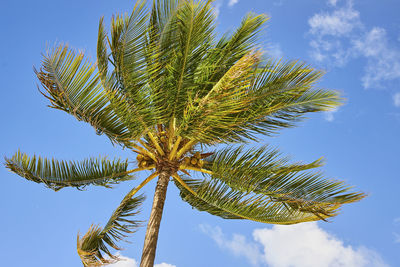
(153, 226)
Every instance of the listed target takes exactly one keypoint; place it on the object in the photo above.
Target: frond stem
(175, 148)
(156, 144)
(136, 189)
(141, 169)
(171, 134)
(146, 150)
(178, 178)
(185, 148)
(184, 167)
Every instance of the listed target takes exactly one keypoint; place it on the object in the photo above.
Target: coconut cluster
(163, 137)
(144, 161)
(194, 160)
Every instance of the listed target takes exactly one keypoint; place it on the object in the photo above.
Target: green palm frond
(128, 38)
(57, 174)
(217, 198)
(265, 171)
(94, 244)
(73, 86)
(215, 113)
(179, 47)
(102, 54)
(228, 50)
(283, 92)
(267, 99)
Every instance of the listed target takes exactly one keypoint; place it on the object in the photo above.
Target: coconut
(193, 161)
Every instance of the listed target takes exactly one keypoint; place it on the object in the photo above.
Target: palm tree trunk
(153, 226)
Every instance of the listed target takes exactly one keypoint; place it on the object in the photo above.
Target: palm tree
(167, 89)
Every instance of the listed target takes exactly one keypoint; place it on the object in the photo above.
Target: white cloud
(128, 262)
(340, 35)
(307, 245)
(396, 221)
(124, 262)
(396, 100)
(232, 2)
(238, 245)
(396, 237)
(217, 7)
(274, 50)
(301, 245)
(383, 62)
(339, 23)
(164, 265)
(330, 115)
(332, 2)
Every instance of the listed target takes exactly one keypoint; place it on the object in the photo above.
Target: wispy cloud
(274, 50)
(301, 245)
(128, 262)
(125, 262)
(330, 115)
(341, 22)
(217, 7)
(232, 2)
(332, 2)
(238, 244)
(383, 61)
(164, 265)
(396, 237)
(340, 35)
(396, 221)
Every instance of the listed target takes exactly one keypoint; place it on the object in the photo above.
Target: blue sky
(356, 42)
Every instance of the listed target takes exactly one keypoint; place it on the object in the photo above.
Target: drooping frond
(94, 244)
(264, 171)
(73, 86)
(57, 174)
(217, 198)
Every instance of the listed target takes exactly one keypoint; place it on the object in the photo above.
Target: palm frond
(130, 74)
(73, 86)
(102, 54)
(180, 46)
(94, 244)
(217, 198)
(127, 43)
(228, 50)
(57, 174)
(264, 171)
(217, 111)
(283, 92)
(273, 97)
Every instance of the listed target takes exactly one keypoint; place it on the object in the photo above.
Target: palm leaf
(265, 171)
(179, 47)
(217, 198)
(211, 116)
(283, 92)
(266, 100)
(73, 86)
(228, 50)
(94, 244)
(59, 174)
